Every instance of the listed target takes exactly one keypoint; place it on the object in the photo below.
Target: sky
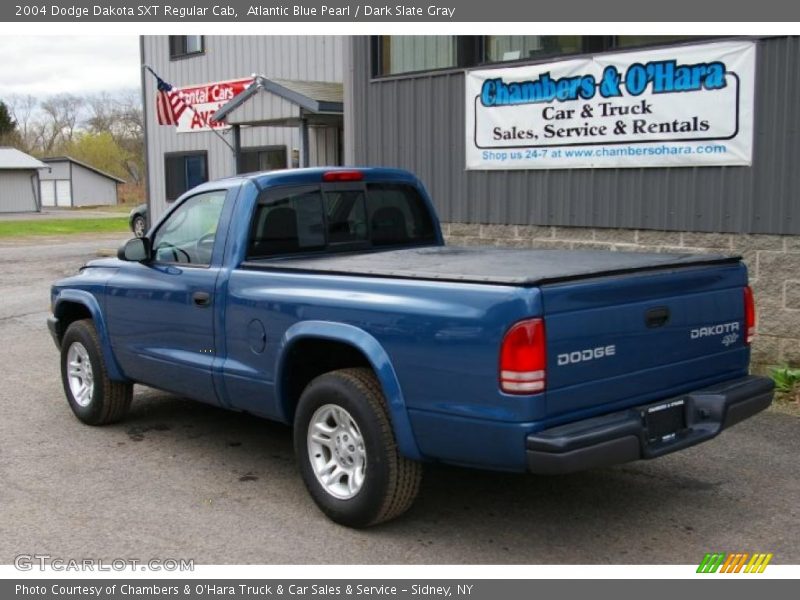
(47, 65)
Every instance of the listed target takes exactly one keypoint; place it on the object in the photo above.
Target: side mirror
(135, 250)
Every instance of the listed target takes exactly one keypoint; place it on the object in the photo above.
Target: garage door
(63, 193)
(48, 193)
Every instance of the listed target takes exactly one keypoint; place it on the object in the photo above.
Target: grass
(62, 226)
(787, 383)
(787, 389)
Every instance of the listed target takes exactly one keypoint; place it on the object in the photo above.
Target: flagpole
(191, 108)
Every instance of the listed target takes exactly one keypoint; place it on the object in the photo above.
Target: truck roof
(315, 175)
(481, 264)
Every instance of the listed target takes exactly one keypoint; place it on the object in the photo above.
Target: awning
(285, 102)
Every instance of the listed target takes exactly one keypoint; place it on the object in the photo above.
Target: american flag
(169, 103)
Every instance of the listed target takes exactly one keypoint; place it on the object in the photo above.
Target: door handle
(201, 298)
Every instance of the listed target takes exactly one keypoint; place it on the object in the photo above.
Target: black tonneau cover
(482, 264)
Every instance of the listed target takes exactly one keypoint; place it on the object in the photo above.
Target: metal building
(407, 107)
(287, 112)
(416, 119)
(19, 181)
(68, 183)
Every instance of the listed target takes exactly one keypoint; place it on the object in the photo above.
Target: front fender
(86, 299)
(381, 365)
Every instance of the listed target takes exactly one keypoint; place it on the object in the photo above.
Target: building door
(48, 193)
(63, 192)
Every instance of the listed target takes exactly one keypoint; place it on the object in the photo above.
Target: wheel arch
(73, 305)
(374, 357)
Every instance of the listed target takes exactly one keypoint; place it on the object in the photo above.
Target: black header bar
(408, 11)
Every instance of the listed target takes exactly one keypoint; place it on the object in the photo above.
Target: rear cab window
(336, 217)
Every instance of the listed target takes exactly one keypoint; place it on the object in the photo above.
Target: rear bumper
(624, 436)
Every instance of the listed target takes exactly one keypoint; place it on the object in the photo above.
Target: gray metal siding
(55, 170)
(323, 145)
(264, 107)
(317, 58)
(17, 191)
(91, 189)
(417, 123)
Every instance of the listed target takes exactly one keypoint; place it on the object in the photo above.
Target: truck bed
(481, 264)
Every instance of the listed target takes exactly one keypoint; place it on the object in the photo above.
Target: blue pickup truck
(327, 299)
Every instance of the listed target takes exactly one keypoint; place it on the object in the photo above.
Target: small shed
(19, 181)
(69, 182)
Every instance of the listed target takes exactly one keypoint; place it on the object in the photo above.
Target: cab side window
(188, 234)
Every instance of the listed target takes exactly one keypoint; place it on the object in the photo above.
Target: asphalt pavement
(180, 479)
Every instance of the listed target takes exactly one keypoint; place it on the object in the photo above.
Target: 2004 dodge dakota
(326, 298)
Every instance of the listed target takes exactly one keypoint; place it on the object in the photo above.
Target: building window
(399, 54)
(185, 45)
(409, 53)
(500, 48)
(629, 41)
(184, 171)
(262, 159)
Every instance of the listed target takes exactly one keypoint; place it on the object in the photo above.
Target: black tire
(109, 400)
(391, 481)
(139, 226)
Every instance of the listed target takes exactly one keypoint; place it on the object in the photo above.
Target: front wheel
(92, 396)
(347, 452)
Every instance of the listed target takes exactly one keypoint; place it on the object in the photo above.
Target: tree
(8, 127)
(121, 116)
(7, 124)
(99, 150)
(61, 116)
(105, 130)
(23, 109)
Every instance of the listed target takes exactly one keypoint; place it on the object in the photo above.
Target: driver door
(161, 313)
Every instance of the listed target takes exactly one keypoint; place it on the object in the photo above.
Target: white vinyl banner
(205, 100)
(669, 107)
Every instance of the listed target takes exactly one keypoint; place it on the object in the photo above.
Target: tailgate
(617, 341)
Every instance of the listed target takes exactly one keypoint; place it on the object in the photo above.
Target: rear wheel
(347, 452)
(92, 396)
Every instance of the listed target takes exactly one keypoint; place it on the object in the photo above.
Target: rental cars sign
(669, 107)
(204, 100)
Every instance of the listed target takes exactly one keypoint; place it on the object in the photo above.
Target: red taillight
(342, 176)
(522, 358)
(749, 315)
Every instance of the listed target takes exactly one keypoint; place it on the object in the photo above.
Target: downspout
(148, 196)
(35, 187)
(237, 149)
(71, 188)
(304, 151)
